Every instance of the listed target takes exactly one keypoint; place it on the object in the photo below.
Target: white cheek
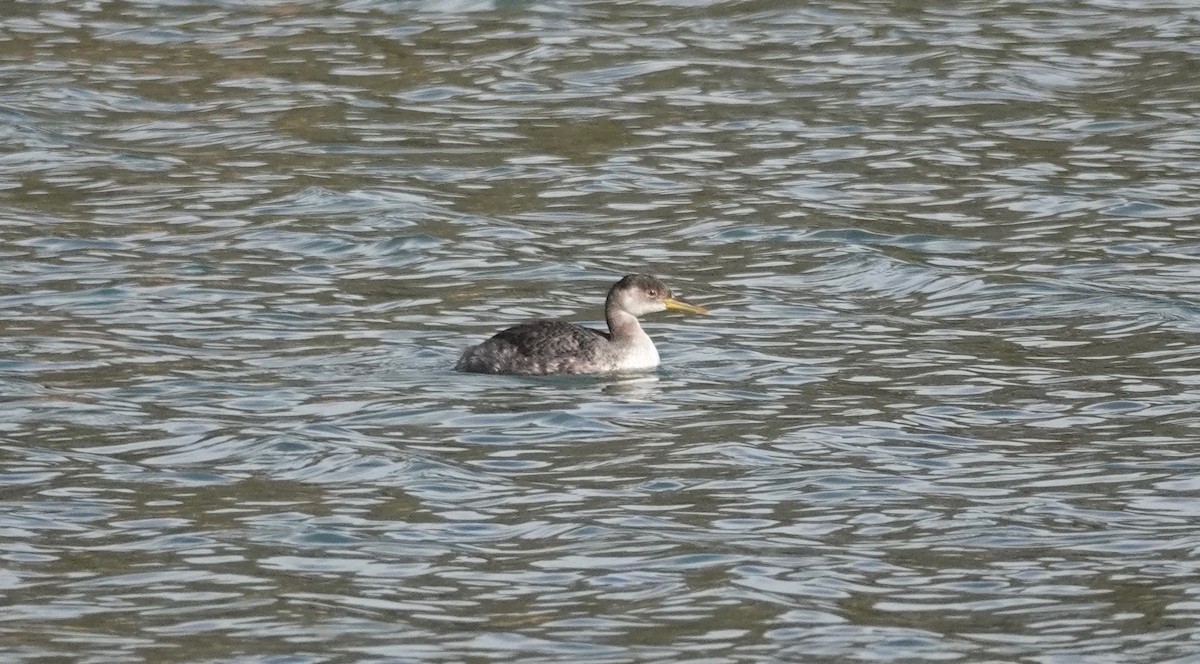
(649, 308)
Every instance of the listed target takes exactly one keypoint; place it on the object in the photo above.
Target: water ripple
(944, 407)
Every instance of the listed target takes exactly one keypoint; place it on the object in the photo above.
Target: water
(945, 409)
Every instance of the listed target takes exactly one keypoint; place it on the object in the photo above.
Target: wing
(551, 338)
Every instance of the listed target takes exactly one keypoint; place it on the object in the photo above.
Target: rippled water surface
(946, 407)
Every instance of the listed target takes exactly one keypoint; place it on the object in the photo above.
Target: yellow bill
(676, 305)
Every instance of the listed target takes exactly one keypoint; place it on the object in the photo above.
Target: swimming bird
(546, 347)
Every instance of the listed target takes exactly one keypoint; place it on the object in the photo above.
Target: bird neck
(622, 325)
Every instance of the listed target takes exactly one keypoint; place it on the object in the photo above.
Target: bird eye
(652, 293)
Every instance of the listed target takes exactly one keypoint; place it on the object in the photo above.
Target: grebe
(546, 347)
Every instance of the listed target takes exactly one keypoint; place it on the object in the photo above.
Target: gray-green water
(946, 408)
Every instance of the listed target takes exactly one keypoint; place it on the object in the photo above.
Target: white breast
(642, 355)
